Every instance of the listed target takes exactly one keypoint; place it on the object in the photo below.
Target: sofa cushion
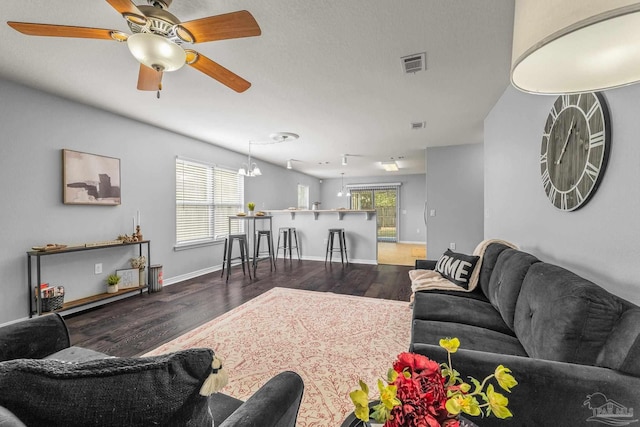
(489, 260)
(622, 349)
(471, 337)
(457, 267)
(458, 309)
(77, 354)
(159, 390)
(506, 280)
(561, 316)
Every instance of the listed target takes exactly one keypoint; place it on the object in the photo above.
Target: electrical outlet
(452, 246)
(432, 212)
(418, 230)
(97, 269)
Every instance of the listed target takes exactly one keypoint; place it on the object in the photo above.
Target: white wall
(411, 196)
(601, 240)
(35, 127)
(455, 192)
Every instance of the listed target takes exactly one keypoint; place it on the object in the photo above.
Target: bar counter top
(316, 212)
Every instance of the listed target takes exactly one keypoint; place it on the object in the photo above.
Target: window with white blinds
(206, 195)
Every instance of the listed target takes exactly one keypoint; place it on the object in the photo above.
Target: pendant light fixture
(342, 190)
(250, 168)
(575, 46)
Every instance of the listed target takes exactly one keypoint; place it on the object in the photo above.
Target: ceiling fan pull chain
(159, 89)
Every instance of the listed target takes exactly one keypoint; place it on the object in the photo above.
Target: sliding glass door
(384, 200)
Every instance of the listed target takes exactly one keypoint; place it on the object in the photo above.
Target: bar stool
(339, 232)
(287, 233)
(228, 250)
(256, 258)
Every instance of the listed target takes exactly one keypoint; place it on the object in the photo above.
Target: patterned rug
(331, 340)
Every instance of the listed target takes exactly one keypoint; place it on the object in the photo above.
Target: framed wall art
(90, 179)
(129, 278)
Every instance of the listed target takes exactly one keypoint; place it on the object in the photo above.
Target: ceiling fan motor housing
(159, 22)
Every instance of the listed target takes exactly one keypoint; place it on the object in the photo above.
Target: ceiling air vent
(418, 125)
(414, 63)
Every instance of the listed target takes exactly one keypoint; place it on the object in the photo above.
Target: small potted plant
(251, 207)
(112, 283)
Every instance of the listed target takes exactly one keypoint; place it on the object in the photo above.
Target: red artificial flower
(415, 363)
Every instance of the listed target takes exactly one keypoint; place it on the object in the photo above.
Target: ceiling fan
(158, 37)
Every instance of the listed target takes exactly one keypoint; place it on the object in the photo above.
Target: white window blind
(205, 197)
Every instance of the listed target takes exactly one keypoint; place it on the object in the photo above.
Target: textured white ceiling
(328, 70)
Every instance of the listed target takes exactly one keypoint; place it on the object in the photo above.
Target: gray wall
(455, 191)
(411, 223)
(35, 127)
(599, 241)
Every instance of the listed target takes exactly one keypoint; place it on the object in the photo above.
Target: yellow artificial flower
(505, 379)
(498, 403)
(360, 399)
(450, 344)
(463, 403)
(388, 395)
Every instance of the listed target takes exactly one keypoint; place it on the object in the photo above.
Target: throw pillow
(160, 390)
(457, 267)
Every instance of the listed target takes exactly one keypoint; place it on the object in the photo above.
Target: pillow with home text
(457, 268)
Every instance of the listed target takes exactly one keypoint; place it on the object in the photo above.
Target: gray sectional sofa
(573, 347)
(44, 381)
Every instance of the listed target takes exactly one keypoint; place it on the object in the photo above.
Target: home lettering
(455, 268)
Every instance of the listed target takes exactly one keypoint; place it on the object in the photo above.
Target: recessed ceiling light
(391, 166)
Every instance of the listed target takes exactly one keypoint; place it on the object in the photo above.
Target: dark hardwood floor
(136, 325)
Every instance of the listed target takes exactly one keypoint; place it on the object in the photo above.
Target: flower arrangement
(251, 206)
(419, 392)
(138, 262)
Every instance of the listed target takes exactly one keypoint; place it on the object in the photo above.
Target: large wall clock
(575, 149)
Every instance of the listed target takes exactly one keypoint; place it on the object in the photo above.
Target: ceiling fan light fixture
(586, 46)
(156, 52)
(119, 36)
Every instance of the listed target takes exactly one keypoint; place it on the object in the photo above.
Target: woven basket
(52, 303)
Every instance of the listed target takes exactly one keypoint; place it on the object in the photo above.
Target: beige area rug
(331, 340)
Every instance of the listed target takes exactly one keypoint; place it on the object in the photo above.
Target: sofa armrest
(548, 393)
(425, 264)
(275, 404)
(33, 338)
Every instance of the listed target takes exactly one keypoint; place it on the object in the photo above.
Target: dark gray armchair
(46, 381)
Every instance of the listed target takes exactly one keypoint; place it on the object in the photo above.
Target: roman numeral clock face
(575, 149)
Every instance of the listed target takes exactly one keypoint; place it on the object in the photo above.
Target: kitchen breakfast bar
(312, 227)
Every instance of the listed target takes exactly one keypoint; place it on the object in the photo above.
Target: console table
(83, 301)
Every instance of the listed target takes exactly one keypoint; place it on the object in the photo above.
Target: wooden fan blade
(221, 74)
(221, 27)
(149, 79)
(125, 6)
(61, 30)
